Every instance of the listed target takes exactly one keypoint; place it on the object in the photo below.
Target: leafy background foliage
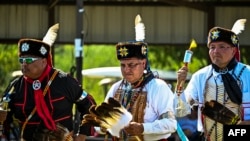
(9, 62)
(161, 57)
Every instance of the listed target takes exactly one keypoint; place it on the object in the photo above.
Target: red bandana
(42, 109)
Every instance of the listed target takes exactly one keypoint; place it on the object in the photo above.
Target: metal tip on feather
(239, 26)
(139, 29)
(51, 34)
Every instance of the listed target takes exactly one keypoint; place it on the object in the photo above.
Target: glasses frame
(130, 65)
(220, 48)
(27, 60)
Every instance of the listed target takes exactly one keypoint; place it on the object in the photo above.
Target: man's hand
(80, 137)
(182, 74)
(3, 115)
(246, 122)
(134, 129)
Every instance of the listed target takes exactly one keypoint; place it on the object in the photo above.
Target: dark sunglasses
(27, 60)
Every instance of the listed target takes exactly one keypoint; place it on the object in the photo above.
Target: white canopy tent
(115, 72)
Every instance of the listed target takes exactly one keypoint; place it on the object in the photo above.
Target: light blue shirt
(196, 87)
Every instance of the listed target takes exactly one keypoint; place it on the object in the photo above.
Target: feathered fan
(110, 115)
(219, 113)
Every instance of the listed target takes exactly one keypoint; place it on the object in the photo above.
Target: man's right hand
(80, 137)
(182, 74)
(3, 115)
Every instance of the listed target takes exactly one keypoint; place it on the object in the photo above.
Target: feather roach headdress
(39, 48)
(227, 35)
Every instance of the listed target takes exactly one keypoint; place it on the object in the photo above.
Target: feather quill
(51, 34)
(139, 29)
(239, 26)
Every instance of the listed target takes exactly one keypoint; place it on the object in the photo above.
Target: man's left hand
(246, 122)
(134, 128)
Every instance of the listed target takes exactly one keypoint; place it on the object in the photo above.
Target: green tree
(9, 63)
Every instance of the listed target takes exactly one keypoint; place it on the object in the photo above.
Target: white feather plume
(239, 26)
(139, 29)
(51, 34)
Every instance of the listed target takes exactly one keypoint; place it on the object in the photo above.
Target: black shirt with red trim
(63, 92)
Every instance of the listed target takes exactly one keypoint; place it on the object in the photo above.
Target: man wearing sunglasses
(42, 98)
